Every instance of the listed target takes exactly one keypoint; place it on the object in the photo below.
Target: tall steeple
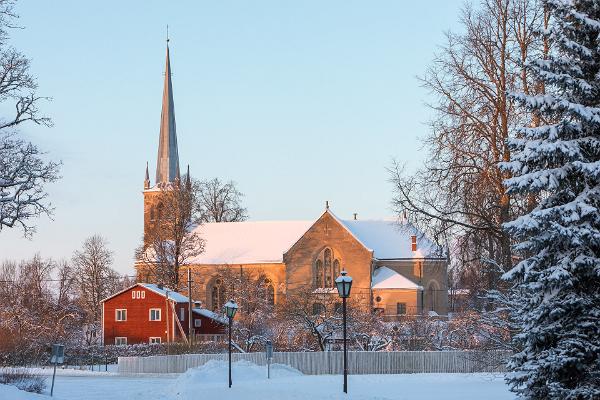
(167, 162)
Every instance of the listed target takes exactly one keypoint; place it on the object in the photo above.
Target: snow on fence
(330, 362)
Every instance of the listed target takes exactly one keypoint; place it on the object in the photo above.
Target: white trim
(102, 324)
(117, 315)
(159, 314)
(181, 314)
(123, 338)
(197, 323)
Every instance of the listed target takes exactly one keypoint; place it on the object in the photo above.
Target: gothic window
(432, 296)
(217, 295)
(269, 292)
(319, 274)
(327, 263)
(151, 213)
(327, 269)
(159, 211)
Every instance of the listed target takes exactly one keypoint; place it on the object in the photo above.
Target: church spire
(147, 178)
(167, 163)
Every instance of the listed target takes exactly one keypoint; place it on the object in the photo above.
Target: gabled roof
(210, 314)
(264, 242)
(248, 242)
(175, 296)
(386, 278)
(391, 240)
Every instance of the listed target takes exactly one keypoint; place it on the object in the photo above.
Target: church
(396, 270)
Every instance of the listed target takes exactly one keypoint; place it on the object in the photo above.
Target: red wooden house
(149, 313)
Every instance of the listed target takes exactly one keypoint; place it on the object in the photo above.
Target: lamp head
(343, 284)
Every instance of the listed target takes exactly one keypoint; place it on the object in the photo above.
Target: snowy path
(250, 383)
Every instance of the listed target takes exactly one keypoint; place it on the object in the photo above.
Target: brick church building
(396, 270)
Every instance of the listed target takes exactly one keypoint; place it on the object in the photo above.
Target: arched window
(151, 213)
(336, 269)
(269, 292)
(328, 272)
(318, 308)
(319, 274)
(432, 296)
(327, 268)
(159, 211)
(217, 295)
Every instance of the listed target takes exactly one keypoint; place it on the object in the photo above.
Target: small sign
(269, 349)
(58, 354)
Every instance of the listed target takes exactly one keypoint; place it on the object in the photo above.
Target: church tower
(167, 161)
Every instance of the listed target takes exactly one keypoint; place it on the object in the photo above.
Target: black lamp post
(230, 310)
(344, 284)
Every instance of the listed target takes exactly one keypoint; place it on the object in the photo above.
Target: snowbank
(216, 371)
(9, 392)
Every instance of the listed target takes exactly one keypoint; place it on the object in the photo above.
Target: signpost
(269, 354)
(58, 357)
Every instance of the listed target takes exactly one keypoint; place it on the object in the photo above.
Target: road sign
(269, 349)
(58, 354)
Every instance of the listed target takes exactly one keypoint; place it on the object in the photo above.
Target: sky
(298, 102)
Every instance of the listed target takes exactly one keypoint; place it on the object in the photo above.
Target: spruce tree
(558, 277)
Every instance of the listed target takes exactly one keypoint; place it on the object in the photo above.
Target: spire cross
(167, 33)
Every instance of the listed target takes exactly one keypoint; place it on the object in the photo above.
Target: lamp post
(344, 284)
(230, 310)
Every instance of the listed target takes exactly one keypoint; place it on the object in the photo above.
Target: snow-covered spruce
(559, 162)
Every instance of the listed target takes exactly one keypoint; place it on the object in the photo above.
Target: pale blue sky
(297, 101)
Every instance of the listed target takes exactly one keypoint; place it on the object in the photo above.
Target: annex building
(396, 270)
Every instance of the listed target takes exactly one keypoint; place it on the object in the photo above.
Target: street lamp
(344, 284)
(230, 310)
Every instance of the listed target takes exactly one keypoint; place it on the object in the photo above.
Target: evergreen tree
(558, 277)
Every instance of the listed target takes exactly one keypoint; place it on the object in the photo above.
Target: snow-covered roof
(390, 239)
(387, 278)
(255, 242)
(209, 314)
(175, 296)
(248, 242)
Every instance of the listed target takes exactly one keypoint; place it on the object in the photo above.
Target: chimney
(413, 242)
(355, 216)
(197, 304)
(327, 204)
(160, 286)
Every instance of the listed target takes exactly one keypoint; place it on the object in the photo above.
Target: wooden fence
(330, 362)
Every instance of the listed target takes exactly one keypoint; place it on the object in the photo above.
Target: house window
(197, 323)
(120, 341)
(400, 308)
(413, 242)
(155, 314)
(327, 269)
(154, 340)
(182, 314)
(121, 314)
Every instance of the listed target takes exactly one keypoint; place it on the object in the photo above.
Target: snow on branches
(558, 277)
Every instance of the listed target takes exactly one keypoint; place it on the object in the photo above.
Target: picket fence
(330, 362)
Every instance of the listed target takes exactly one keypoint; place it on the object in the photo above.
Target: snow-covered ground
(250, 383)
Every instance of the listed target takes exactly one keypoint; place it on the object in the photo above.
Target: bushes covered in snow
(22, 379)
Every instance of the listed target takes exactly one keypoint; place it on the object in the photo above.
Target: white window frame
(117, 314)
(182, 314)
(155, 340)
(122, 339)
(197, 323)
(159, 314)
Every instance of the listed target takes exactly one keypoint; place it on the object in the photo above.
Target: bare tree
(220, 201)
(170, 241)
(37, 307)
(458, 197)
(95, 280)
(23, 172)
